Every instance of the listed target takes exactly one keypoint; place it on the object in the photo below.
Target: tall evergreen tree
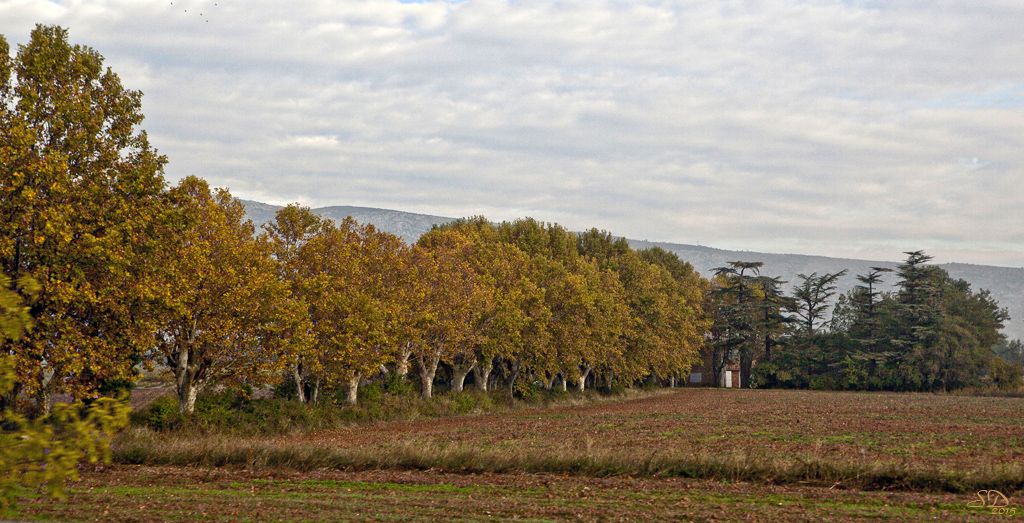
(867, 298)
(811, 300)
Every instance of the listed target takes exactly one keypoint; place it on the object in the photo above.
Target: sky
(855, 129)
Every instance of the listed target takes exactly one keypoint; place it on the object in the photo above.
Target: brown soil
(933, 431)
(139, 494)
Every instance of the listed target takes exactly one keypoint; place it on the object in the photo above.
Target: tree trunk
(561, 382)
(300, 385)
(581, 380)
(45, 393)
(672, 382)
(745, 364)
(9, 400)
(513, 373)
(549, 380)
(402, 360)
(482, 372)
(187, 396)
(184, 378)
(428, 368)
(459, 373)
(352, 392)
(44, 398)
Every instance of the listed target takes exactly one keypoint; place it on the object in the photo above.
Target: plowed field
(926, 432)
(920, 430)
(144, 494)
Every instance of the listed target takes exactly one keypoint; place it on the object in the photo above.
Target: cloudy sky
(842, 128)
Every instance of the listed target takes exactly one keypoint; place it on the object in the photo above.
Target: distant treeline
(933, 334)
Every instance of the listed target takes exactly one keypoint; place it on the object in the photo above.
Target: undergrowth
(147, 448)
(230, 412)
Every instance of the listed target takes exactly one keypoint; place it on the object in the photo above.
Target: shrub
(162, 414)
(286, 390)
(1006, 375)
(399, 385)
(463, 403)
(371, 394)
(46, 451)
(824, 382)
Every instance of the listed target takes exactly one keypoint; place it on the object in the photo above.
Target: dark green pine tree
(867, 300)
(810, 300)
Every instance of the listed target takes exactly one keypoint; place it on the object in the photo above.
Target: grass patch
(160, 494)
(145, 449)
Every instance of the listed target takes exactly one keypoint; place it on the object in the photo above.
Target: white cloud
(824, 127)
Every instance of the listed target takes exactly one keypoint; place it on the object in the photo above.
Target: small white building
(730, 378)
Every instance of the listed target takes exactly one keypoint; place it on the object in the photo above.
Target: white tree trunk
(581, 379)
(561, 382)
(515, 368)
(402, 360)
(428, 368)
(300, 385)
(44, 396)
(459, 373)
(188, 387)
(482, 373)
(549, 379)
(188, 397)
(352, 392)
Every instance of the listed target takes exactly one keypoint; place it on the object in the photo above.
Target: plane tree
(46, 451)
(82, 195)
(352, 299)
(685, 322)
(229, 319)
(289, 234)
(455, 299)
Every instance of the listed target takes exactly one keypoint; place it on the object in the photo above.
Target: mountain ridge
(1006, 284)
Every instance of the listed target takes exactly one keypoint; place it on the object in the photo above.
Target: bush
(233, 412)
(371, 394)
(286, 390)
(1006, 375)
(162, 414)
(470, 401)
(399, 385)
(824, 382)
(45, 452)
(616, 388)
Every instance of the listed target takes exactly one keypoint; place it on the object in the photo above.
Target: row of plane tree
(118, 269)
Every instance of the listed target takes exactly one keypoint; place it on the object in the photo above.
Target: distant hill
(1005, 283)
(406, 225)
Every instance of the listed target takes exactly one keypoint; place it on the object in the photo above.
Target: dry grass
(145, 448)
(864, 440)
